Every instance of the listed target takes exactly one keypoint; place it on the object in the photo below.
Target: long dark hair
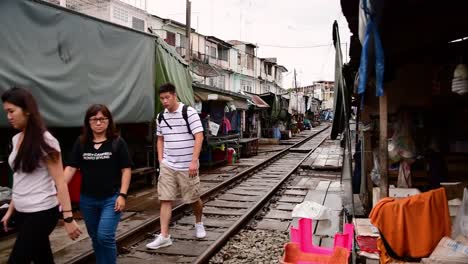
(34, 147)
(93, 110)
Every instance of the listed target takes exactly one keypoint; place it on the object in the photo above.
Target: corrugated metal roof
(259, 102)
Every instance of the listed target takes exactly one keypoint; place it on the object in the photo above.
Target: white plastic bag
(312, 210)
(460, 225)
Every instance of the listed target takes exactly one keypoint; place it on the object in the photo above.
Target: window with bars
(170, 38)
(183, 40)
(250, 62)
(212, 51)
(221, 82)
(120, 14)
(138, 24)
(246, 86)
(223, 53)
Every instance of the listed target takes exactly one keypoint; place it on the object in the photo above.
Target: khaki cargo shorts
(173, 184)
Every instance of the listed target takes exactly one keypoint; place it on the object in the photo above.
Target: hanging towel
(412, 227)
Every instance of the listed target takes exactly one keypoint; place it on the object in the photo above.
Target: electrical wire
(294, 47)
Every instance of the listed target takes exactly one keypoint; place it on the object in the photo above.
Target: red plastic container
(231, 155)
(74, 187)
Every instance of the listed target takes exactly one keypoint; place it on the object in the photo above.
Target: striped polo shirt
(178, 143)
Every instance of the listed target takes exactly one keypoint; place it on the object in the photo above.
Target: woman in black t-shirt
(103, 159)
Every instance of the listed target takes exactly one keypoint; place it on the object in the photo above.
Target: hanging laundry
(410, 228)
(371, 34)
(226, 125)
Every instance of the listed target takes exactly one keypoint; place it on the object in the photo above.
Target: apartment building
(128, 13)
(229, 65)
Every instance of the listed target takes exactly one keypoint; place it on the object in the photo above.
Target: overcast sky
(280, 28)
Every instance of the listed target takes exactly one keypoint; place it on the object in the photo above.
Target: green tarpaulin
(169, 67)
(70, 61)
(342, 100)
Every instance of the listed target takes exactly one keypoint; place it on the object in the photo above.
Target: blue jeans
(101, 221)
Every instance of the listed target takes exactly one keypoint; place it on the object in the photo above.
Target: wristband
(124, 195)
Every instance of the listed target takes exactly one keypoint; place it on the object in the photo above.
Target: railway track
(229, 206)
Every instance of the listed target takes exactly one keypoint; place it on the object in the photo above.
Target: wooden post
(383, 150)
(188, 29)
(367, 158)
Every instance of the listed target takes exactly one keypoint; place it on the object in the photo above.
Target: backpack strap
(161, 118)
(115, 144)
(185, 116)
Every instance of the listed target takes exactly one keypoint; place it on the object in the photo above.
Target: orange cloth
(413, 226)
(384, 257)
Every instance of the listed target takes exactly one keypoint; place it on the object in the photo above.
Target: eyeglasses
(95, 120)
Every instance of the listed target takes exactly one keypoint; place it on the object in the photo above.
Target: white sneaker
(200, 230)
(160, 242)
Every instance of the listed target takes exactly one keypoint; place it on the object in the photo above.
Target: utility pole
(297, 95)
(188, 29)
(295, 82)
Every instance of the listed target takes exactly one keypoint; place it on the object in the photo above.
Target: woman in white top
(37, 182)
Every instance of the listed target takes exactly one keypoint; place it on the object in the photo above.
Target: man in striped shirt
(179, 144)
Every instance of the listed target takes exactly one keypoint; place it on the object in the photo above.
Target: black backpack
(184, 115)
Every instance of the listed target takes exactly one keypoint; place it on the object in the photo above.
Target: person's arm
(7, 216)
(160, 148)
(122, 199)
(193, 168)
(125, 164)
(56, 171)
(68, 173)
(73, 162)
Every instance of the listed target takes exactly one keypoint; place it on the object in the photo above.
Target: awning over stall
(202, 96)
(258, 102)
(239, 104)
